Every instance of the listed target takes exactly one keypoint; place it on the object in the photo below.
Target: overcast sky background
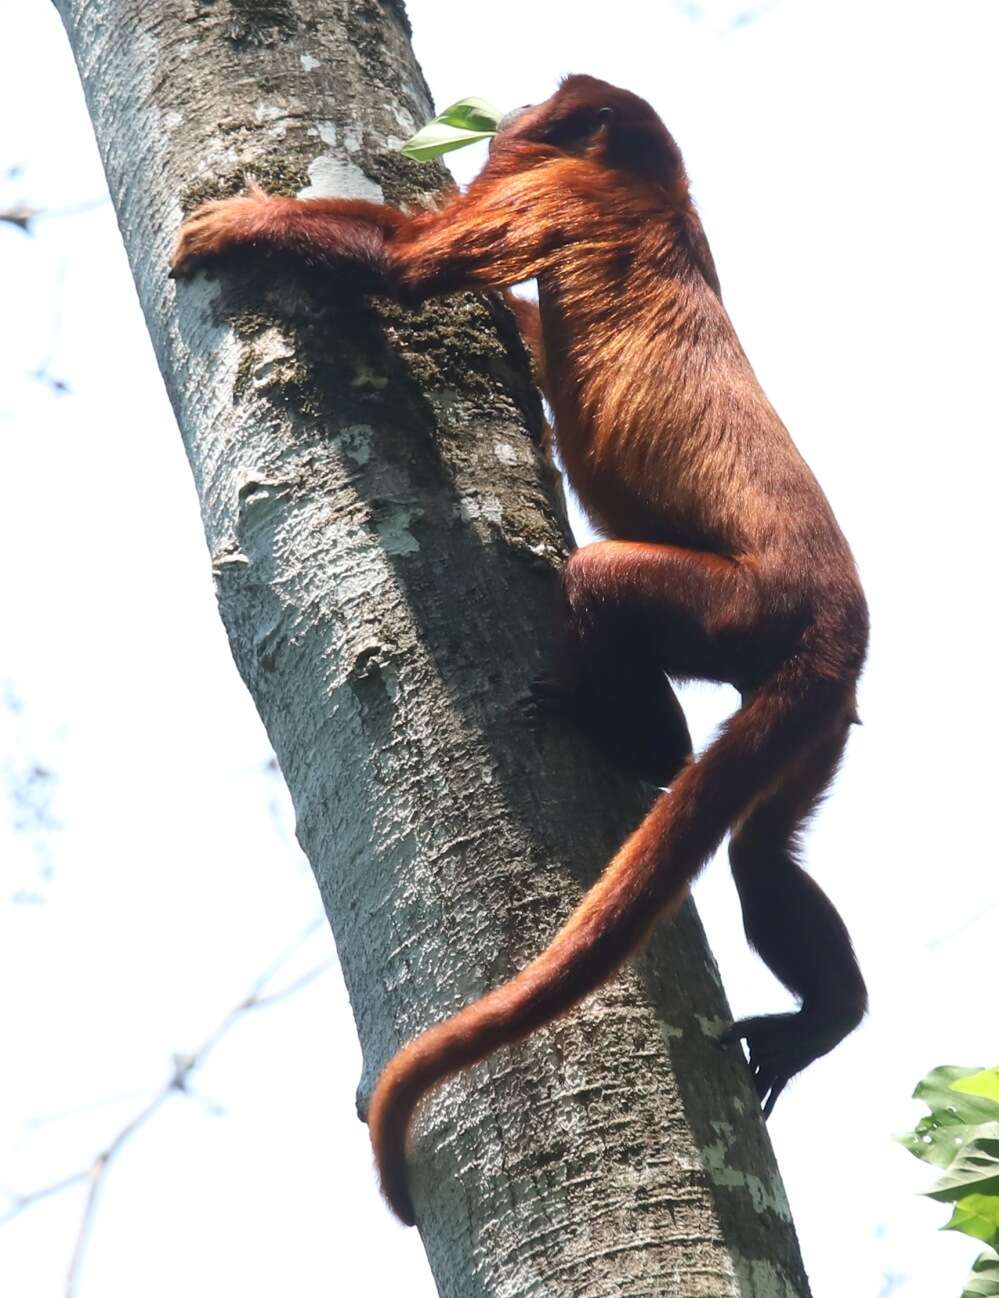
(843, 155)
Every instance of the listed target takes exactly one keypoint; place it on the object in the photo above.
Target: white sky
(843, 153)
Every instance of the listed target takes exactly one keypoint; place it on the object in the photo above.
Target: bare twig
(24, 216)
(969, 922)
(21, 1201)
(31, 786)
(95, 1174)
(310, 976)
(19, 214)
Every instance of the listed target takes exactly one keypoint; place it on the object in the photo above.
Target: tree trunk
(385, 538)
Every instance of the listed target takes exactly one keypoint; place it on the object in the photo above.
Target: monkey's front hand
(217, 228)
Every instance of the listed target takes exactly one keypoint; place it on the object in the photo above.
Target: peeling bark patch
(394, 530)
(331, 135)
(277, 374)
(327, 132)
(269, 364)
(370, 666)
(505, 453)
(339, 178)
(356, 442)
(488, 507)
(228, 556)
(261, 506)
(308, 62)
(271, 113)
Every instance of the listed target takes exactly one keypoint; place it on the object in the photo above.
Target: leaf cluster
(960, 1136)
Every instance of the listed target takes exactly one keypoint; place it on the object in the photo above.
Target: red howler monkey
(724, 561)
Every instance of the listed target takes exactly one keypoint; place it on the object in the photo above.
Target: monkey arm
(502, 231)
(345, 236)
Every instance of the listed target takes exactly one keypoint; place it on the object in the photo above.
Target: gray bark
(385, 540)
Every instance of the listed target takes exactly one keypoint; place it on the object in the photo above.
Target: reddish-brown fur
(723, 560)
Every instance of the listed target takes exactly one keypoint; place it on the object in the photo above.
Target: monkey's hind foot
(781, 1045)
(646, 737)
(551, 694)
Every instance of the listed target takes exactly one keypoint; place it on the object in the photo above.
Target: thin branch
(19, 214)
(79, 1248)
(262, 1002)
(30, 786)
(970, 922)
(183, 1068)
(24, 217)
(21, 1201)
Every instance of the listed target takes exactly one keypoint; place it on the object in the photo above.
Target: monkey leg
(795, 928)
(636, 613)
(626, 704)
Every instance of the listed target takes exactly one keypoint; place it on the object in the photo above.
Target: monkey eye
(579, 129)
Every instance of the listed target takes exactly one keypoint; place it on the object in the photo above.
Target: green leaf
(976, 1215)
(473, 115)
(974, 1169)
(984, 1279)
(961, 1135)
(954, 1118)
(462, 123)
(985, 1083)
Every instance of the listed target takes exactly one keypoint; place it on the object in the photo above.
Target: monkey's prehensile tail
(646, 879)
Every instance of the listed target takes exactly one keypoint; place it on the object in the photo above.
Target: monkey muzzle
(514, 115)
